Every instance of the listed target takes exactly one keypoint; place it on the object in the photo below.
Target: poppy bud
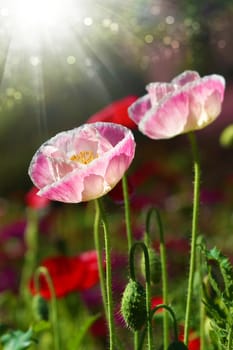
(40, 308)
(133, 305)
(155, 266)
(177, 345)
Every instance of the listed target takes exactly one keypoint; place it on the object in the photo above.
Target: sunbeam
(61, 51)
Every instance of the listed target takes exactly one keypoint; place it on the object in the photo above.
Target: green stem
(127, 211)
(196, 196)
(148, 288)
(202, 307)
(230, 339)
(110, 317)
(172, 314)
(31, 240)
(99, 256)
(136, 340)
(128, 230)
(163, 268)
(43, 271)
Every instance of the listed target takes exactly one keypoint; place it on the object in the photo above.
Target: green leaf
(218, 296)
(41, 326)
(17, 340)
(76, 341)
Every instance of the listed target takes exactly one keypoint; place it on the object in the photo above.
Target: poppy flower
(116, 112)
(187, 103)
(34, 201)
(68, 274)
(84, 163)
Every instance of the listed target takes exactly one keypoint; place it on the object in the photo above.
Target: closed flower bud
(155, 266)
(40, 308)
(177, 345)
(133, 305)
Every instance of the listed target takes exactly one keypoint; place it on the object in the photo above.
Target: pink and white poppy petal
(40, 171)
(94, 187)
(159, 91)
(185, 78)
(206, 98)
(138, 109)
(167, 120)
(116, 169)
(67, 190)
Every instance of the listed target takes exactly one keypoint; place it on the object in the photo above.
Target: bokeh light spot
(170, 20)
(71, 59)
(34, 60)
(88, 21)
(149, 38)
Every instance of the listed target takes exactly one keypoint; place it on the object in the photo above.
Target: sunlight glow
(39, 16)
(37, 13)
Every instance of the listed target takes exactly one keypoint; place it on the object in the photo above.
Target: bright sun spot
(37, 13)
(36, 17)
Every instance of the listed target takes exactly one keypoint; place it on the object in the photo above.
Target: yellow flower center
(84, 157)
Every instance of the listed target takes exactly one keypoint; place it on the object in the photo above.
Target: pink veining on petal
(168, 119)
(158, 91)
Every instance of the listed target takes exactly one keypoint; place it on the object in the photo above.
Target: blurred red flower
(194, 340)
(34, 201)
(155, 301)
(116, 112)
(68, 274)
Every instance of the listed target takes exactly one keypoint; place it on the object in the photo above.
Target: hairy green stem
(127, 211)
(128, 230)
(163, 257)
(110, 318)
(173, 316)
(196, 199)
(100, 256)
(201, 304)
(148, 288)
(41, 270)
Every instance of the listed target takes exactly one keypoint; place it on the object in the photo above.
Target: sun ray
(62, 43)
